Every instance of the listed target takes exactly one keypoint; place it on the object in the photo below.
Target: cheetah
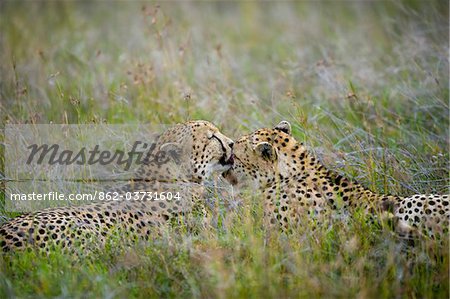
(208, 152)
(294, 183)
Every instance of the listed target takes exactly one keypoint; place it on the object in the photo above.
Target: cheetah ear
(266, 151)
(284, 126)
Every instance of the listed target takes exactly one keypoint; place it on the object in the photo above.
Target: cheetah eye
(210, 134)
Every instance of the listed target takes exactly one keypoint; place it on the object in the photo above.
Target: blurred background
(364, 83)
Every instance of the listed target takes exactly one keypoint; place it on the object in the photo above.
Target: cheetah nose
(231, 144)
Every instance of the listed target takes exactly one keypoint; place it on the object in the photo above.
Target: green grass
(364, 84)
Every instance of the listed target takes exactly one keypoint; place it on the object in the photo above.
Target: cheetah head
(203, 149)
(263, 155)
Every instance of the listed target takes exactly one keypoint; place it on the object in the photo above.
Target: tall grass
(364, 84)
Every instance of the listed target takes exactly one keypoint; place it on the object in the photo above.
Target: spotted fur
(294, 183)
(208, 151)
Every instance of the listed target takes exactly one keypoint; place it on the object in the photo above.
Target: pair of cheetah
(292, 180)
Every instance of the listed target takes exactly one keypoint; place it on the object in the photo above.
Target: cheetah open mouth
(227, 161)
